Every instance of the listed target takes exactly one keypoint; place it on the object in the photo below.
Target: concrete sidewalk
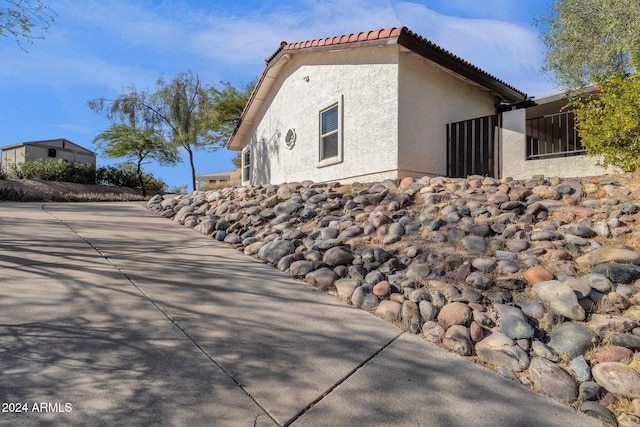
(112, 315)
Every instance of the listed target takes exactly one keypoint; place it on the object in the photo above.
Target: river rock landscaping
(538, 279)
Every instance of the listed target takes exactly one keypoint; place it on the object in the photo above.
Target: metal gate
(471, 147)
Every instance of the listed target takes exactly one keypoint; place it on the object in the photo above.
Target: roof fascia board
(339, 46)
(257, 98)
(445, 60)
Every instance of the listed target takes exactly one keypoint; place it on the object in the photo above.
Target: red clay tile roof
(348, 38)
(377, 35)
(406, 38)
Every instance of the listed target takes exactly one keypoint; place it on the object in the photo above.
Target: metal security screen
(471, 147)
(554, 135)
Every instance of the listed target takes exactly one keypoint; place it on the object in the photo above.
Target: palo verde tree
(185, 106)
(597, 42)
(20, 20)
(184, 112)
(135, 132)
(199, 116)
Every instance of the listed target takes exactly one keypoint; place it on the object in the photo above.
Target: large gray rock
(475, 244)
(552, 379)
(364, 298)
(338, 255)
(599, 282)
(598, 411)
(182, 213)
(273, 251)
(300, 268)
(418, 272)
(428, 311)
(629, 341)
(500, 350)
(287, 207)
(560, 299)
(580, 368)
(618, 273)
(515, 328)
(580, 230)
(572, 339)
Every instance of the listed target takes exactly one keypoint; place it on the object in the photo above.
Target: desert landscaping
(536, 279)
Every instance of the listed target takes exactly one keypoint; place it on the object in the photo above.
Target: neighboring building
(542, 140)
(213, 178)
(51, 148)
(383, 104)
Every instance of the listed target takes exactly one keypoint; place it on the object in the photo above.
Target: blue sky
(98, 48)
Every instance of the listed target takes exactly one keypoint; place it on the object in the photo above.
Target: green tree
(185, 106)
(237, 160)
(19, 20)
(587, 38)
(199, 116)
(126, 175)
(597, 42)
(135, 133)
(228, 106)
(608, 120)
(183, 112)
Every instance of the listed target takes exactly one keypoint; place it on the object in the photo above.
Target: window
(246, 165)
(330, 149)
(329, 133)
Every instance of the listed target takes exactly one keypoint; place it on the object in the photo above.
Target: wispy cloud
(120, 43)
(77, 129)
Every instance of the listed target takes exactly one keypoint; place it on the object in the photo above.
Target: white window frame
(246, 166)
(339, 157)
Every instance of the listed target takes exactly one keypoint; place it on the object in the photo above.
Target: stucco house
(375, 105)
(51, 148)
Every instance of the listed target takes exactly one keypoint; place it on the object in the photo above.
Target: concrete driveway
(112, 315)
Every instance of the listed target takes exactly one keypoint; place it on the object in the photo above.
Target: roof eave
(504, 91)
(257, 98)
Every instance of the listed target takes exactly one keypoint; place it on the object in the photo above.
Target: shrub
(125, 175)
(55, 170)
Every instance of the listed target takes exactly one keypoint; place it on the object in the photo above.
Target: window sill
(329, 162)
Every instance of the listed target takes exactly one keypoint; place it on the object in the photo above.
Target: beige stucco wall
(32, 152)
(12, 156)
(426, 106)
(35, 152)
(364, 81)
(514, 156)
